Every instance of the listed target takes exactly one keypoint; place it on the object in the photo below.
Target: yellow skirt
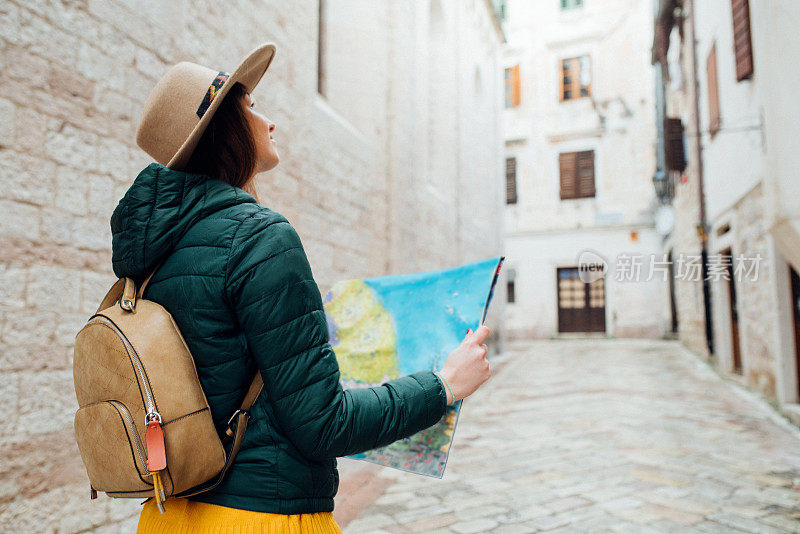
(183, 516)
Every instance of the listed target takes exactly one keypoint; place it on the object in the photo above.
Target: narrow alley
(603, 436)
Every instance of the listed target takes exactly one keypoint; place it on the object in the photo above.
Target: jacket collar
(157, 210)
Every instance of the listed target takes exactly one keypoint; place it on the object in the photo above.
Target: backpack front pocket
(111, 448)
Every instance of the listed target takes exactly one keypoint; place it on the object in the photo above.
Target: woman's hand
(467, 368)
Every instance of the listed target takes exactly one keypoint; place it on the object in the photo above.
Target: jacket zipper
(123, 410)
(152, 413)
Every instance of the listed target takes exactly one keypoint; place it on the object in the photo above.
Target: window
(321, 47)
(714, 120)
(576, 78)
(673, 144)
(502, 10)
(511, 180)
(511, 286)
(512, 86)
(577, 174)
(742, 44)
(571, 4)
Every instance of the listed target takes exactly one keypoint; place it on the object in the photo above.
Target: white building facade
(732, 93)
(580, 130)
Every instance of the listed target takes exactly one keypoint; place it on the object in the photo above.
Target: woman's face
(266, 147)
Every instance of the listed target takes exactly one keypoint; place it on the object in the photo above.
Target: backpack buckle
(127, 300)
(228, 430)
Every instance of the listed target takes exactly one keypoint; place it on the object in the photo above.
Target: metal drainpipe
(702, 226)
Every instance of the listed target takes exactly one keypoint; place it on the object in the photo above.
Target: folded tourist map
(386, 327)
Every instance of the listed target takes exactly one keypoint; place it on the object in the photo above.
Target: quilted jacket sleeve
(279, 307)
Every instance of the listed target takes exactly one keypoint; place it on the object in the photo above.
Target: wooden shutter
(585, 183)
(511, 180)
(673, 144)
(742, 43)
(321, 51)
(568, 165)
(515, 86)
(714, 120)
(512, 86)
(577, 174)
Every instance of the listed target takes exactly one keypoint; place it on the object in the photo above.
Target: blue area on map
(432, 310)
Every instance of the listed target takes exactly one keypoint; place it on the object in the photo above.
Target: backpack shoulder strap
(125, 288)
(252, 394)
(113, 295)
(147, 280)
(237, 425)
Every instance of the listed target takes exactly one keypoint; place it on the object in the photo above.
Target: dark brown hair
(226, 149)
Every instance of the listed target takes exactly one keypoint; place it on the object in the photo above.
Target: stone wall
(756, 298)
(358, 178)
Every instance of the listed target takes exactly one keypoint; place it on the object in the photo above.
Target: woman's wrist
(449, 395)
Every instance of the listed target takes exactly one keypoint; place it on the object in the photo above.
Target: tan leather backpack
(143, 426)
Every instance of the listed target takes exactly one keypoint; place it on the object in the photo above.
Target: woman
(235, 277)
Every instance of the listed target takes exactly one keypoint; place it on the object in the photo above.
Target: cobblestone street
(602, 436)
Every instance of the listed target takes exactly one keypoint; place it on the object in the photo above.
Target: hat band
(213, 89)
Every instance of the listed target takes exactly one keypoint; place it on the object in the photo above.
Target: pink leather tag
(156, 452)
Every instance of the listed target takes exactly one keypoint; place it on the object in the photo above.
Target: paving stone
(787, 524)
(427, 523)
(712, 527)
(743, 523)
(476, 525)
(480, 511)
(567, 503)
(371, 521)
(512, 529)
(621, 503)
(424, 511)
(547, 522)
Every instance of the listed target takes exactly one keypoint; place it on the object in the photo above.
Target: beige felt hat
(184, 100)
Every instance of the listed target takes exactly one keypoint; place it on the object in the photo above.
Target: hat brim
(248, 73)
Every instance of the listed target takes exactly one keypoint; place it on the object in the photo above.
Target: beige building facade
(388, 122)
(729, 93)
(579, 126)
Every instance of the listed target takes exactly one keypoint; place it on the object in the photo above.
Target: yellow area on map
(367, 347)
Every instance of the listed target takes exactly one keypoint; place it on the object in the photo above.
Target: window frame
(577, 160)
(511, 192)
(576, 63)
(511, 286)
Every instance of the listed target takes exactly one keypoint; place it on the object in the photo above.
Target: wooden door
(673, 307)
(581, 306)
(796, 316)
(736, 353)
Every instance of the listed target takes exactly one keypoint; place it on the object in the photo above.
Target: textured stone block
(46, 400)
(7, 119)
(19, 220)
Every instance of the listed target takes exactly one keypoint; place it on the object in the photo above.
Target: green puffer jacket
(238, 284)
